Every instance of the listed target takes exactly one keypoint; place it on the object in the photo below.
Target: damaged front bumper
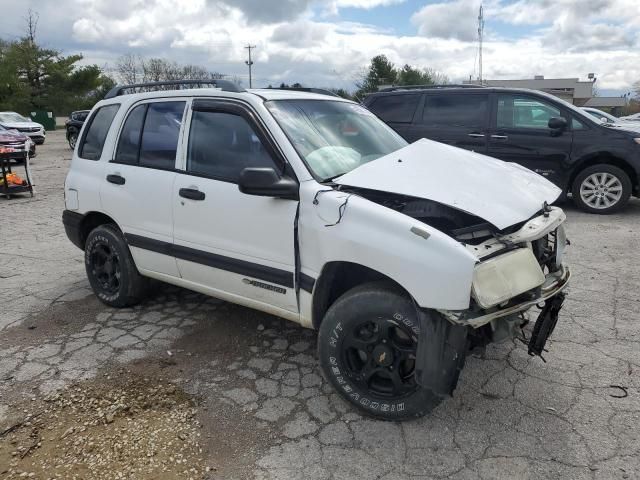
(554, 283)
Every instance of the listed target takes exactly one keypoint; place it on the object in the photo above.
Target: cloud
(553, 38)
(457, 19)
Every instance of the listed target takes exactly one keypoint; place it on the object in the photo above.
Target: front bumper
(554, 283)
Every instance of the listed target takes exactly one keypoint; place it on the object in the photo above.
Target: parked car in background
(33, 130)
(73, 126)
(610, 120)
(18, 142)
(631, 118)
(317, 212)
(598, 165)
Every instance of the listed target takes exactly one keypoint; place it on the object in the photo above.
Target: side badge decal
(266, 286)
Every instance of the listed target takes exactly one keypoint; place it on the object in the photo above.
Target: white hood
(17, 125)
(499, 192)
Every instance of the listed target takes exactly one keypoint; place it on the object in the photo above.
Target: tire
(374, 328)
(111, 271)
(72, 139)
(601, 189)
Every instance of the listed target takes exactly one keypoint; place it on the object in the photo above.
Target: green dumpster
(45, 118)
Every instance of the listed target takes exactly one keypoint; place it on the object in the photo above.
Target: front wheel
(111, 271)
(367, 346)
(601, 189)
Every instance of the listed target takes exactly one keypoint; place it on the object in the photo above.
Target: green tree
(33, 77)
(409, 75)
(380, 72)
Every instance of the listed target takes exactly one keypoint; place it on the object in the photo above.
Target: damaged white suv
(308, 207)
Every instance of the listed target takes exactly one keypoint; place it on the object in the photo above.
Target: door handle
(117, 179)
(500, 137)
(191, 194)
(476, 135)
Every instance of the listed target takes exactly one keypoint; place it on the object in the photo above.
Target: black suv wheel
(73, 138)
(601, 189)
(112, 273)
(367, 347)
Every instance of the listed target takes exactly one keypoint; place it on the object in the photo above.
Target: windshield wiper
(331, 179)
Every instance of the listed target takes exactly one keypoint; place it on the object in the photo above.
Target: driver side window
(524, 112)
(222, 144)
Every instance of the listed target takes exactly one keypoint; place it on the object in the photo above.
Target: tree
(409, 75)
(380, 72)
(33, 77)
(135, 69)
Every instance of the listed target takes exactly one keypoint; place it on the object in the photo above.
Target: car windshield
(12, 117)
(334, 137)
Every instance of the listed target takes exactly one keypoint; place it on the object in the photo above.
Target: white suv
(308, 207)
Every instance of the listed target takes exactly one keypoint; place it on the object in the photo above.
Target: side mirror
(557, 123)
(265, 182)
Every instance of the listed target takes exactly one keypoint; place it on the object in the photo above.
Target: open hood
(499, 192)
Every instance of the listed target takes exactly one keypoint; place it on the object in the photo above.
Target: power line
(250, 63)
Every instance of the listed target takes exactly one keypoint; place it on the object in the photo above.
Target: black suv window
(396, 108)
(160, 134)
(222, 144)
(96, 132)
(453, 110)
(524, 112)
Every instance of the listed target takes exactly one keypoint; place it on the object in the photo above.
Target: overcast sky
(326, 43)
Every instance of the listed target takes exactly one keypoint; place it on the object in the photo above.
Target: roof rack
(425, 87)
(320, 91)
(224, 85)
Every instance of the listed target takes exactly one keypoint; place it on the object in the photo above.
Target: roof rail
(320, 91)
(425, 87)
(224, 85)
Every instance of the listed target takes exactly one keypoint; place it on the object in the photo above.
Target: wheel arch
(609, 159)
(338, 277)
(92, 220)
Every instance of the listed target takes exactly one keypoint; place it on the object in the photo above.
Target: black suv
(599, 165)
(74, 124)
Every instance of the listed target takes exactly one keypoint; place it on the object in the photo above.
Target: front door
(233, 243)
(138, 184)
(520, 134)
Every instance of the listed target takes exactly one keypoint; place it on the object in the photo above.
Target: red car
(18, 142)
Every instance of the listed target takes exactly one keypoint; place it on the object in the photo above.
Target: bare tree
(32, 25)
(129, 68)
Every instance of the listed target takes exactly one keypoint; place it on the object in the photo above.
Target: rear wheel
(111, 271)
(367, 346)
(601, 189)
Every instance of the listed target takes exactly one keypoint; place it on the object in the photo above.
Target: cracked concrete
(264, 402)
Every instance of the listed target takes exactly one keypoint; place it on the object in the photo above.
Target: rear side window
(396, 108)
(96, 133)
(222, 144)
(160, 135)
(455, 110)
(149, 136)
(129, 142)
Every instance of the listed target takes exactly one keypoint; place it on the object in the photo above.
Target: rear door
(138, 183)
(398, 110)
(520, 134)
(457, 118)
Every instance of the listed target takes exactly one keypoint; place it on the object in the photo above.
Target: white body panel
(229, 223)
(436, 271)
(499, 192)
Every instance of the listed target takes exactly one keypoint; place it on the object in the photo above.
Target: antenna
(480, 35)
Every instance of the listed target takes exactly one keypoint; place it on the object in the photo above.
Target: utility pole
(480, 35)
(250, 62)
